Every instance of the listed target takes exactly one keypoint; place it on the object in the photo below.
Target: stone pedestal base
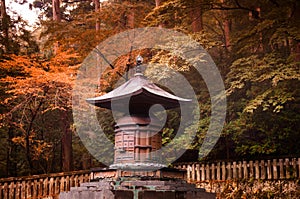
(165, 183)
(137, 189)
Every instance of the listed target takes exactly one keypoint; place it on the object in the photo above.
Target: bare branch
(96, 50)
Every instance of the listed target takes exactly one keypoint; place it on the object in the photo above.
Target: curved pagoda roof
(142, 93)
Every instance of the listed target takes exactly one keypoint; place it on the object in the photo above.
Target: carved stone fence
(47, 186)
(287, 168)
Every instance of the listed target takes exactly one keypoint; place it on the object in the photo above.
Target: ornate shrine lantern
(137, 134)
(137, 171)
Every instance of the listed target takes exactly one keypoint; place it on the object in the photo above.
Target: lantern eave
(140, 91)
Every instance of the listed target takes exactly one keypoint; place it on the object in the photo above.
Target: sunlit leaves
(269, 73)
(274, 99)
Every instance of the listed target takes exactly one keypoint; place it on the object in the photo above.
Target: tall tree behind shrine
(97, 10)
(197, 18)
(56, 10)
(4, 26)
(66, 140)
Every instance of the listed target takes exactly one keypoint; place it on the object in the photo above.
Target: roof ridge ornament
(138, 70)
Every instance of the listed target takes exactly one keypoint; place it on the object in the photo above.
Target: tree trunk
(56, 18)
(261, 43)
(296, 44)
(11, 166)
(296, 53)
(130, 18)
(157, 3)
(196, 16)
(66, 144)
(197, 23)
(56, 10)
(28, 134)
(97, 9)
(226, 25)
(226, 28)
(67, 158)
(5, 26)
(86, 161)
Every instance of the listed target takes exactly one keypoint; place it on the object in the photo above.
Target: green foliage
(263, 84)
(265, 81)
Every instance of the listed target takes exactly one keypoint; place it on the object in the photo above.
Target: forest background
(255, 45)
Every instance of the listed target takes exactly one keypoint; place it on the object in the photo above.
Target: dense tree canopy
(255, 45)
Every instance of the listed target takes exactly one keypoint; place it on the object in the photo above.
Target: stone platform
(117, 184)
(136, 189)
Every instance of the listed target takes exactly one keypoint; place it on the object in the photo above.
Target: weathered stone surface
(122, 194)
(127, 189)
(87, 194)
(156, 195)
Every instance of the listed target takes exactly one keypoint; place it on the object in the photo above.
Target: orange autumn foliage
(33, 76)
(37, 91)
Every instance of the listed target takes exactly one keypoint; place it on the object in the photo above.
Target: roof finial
(139, 61)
